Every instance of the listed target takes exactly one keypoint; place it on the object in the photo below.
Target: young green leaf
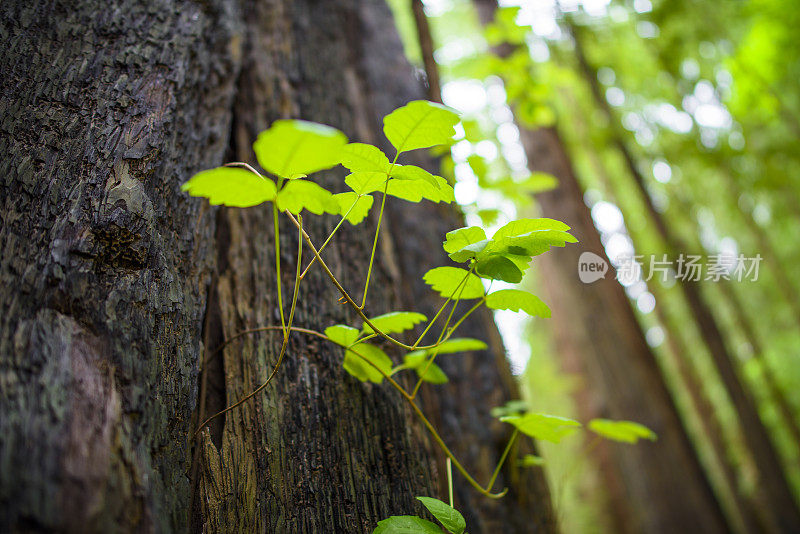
(342, 334)
(302, 194)
(515, 300)
(395, 322)
(448, 516)
(524, 226)
(412, 172)
(455, 240)
(624, 431)
(355, 365)
(230, 187)
(365, 183)
(459, 344)
(470, 251)
(543, 426)
(419, 124)
(358, 206)
(361, 157)
(498, 267)
(433, 375)
(406, 524)
(416, 190)
(533, 243)
(290, 148)
(445, 281)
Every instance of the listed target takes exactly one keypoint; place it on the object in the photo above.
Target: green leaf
(415, 359)
(230, 187)
(358, 211)
(515, 300)
(624, 431)
(532, 243)
(524, 226)
(355, 365)
(412, 190)
(302, 194)
(499, 268)
(364, 183)
(459, 344)
(470, 251)
(406, 524)
(393, 322)
(342, 334)
(420, 124)
(434, 374)
(290, 148)
(543, 426)
(416, 190)
(455, 240)
(530, 460)
(445, 281)
(412, 172)
(448, 516)
(363, 157)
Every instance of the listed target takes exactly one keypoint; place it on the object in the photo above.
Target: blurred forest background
(680, 122)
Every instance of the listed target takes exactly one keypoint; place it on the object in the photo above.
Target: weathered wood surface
(112, 282)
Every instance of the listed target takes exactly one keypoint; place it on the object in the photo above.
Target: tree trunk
(113, 283)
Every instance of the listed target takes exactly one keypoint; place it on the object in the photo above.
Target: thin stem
(350, 300)
(430, 324)
(330, 236)
(511, 441)
(394, 384)
(284, 328)
(245, 165)
(378, 230)
(278, 262)
(449, 465)
(435, 352)
(443, 333)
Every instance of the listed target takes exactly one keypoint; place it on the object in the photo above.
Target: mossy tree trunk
(114, 285)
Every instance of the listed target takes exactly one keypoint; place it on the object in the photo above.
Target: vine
(290, 150)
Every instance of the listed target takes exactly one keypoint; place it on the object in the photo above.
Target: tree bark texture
(115, 286)
(655, 487)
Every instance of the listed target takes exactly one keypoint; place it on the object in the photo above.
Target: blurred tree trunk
(661, 486)
(653, 487)
(777, 499)
(112, 282)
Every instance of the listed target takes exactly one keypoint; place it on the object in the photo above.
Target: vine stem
(378, 230)
(444, 330)
(449, 464)
(352, 303)
(438, 313)
(330, 236)
(416, 409)
(277, 236)
(284, 328)
(511, 441)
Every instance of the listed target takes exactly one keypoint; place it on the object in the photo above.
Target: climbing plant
(291, 150)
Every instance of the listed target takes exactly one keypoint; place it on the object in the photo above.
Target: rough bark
(105, 264)
(112, 282)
